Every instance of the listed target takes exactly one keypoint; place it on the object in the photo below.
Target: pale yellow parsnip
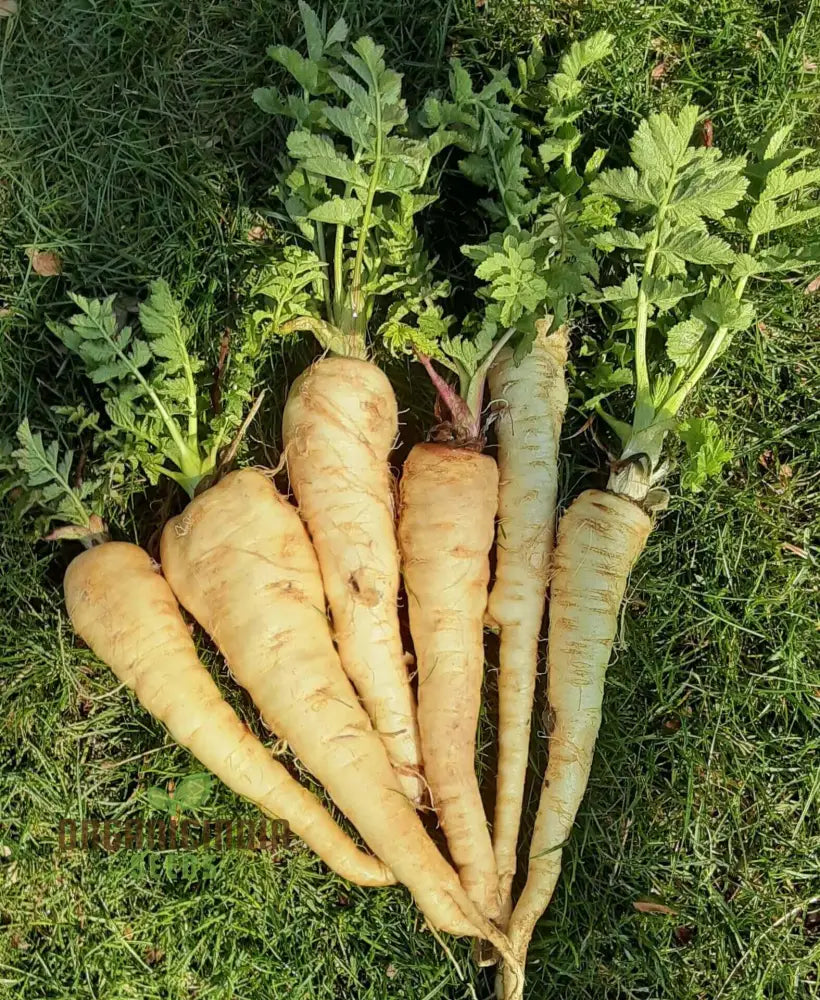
(123, 608)
(240, 560)
(448, 498)
(599, 539)
(339, 426)
(532, 397)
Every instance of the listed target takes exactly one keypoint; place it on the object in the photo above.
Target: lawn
(129, 147)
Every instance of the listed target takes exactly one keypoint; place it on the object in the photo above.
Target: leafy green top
(535, 261)
(42, 477)
(353, 182)
(149, 387)
(694, 222)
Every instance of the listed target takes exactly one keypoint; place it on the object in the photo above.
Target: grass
(129, 146)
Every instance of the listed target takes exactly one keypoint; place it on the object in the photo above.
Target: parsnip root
(448, 499)
(340, 424)
(123, 608)
(599, 539)
(534, 397)
(240, 561)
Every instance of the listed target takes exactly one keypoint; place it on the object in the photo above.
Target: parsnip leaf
(686, 281)
(48, 483)
(684, 342)
(706, 453)
(355, 178)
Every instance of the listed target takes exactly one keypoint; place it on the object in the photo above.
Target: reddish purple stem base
(463, 420)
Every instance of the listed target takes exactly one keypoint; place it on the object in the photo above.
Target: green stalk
(321, 250)
(356, 290)
(475, 389)
(338, 260)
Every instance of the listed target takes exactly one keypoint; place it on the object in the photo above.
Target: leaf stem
(475, 391)
(462, 416)
(356, 290)
(644, 408)
(338, 259)
(676, 400)
(322, 251)
(330, 337)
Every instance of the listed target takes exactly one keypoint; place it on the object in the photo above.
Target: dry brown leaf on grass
(46, 263)
(813, 285)
(795, 551)
(653, 906)
(8, 8)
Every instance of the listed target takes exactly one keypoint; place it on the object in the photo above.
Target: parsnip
(354, 180)
(532, 396)
(339, 426)
(240, 561)
(123, 608)
(599, 539)
(447, 510)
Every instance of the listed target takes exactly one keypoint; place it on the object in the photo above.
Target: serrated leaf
(368, 63)
(270, 100)
(606, 378)
(337, 33)
(707, 454)
(766, 218)
(763, 218)
(781, 182)
(318, 155)
(304, 71)
(47, 478)
(627, 291)
(617, 238)
(565, 141)
(698, 247)
(397, 176)
(565, 86)
(593, 164)
(338, 211)
(314, 36)
(659, 144)
(721, 308)
(626, 185)
(161, 319)
(359, 97)
(746, 266)
(356, 127)
(773, 142)
(665, 294)
(684, 342)
(778, 258)
(478, 170)
(461, 85)
(708, 187)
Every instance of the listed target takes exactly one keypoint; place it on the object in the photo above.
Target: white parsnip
(533, 398)
(599, 539)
